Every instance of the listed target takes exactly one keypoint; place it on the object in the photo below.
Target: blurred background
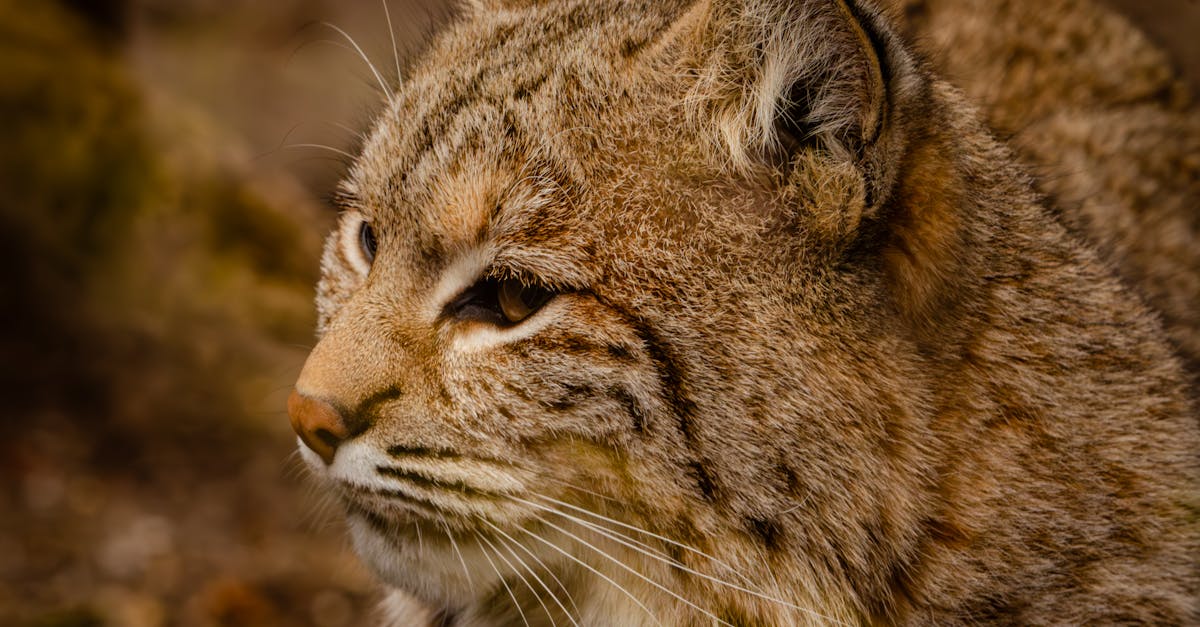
(163, 166)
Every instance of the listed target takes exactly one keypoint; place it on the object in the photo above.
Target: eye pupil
(366, 239)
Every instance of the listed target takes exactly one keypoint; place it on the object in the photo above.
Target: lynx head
(621, 319)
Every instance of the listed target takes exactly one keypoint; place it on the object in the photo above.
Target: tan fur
(822, 349)
(1106, 122)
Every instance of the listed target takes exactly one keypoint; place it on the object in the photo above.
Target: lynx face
(628, 317)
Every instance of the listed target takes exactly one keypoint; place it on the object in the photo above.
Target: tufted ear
(777, 76)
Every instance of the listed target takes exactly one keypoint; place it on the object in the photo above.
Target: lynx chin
(769, 312)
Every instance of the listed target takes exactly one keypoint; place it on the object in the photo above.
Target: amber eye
(366, 240)
(503, 302)
(518, 301)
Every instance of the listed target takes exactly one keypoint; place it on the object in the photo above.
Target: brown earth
(159, 235)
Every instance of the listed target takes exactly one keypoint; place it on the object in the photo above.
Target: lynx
(737, 312)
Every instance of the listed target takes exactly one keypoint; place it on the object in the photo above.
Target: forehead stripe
(536, 41)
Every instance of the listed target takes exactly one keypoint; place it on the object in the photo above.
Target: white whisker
(355, 132)
(627, 542)
(553, 597)
(504, 583)
(321, 146)
(778, 589)
(517, 572)
(594, 572)
(328, 42)
(636, 544)
(572, 486)
(461, 560)
(392, 33)
(631, 570)
(546, 568)
(797, 506)
(283, 143)
(382, 83)
(295, 467)
(624, 540)
(420, 542)
(746, 580)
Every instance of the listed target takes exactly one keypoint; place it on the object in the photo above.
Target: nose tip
(320, 425)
